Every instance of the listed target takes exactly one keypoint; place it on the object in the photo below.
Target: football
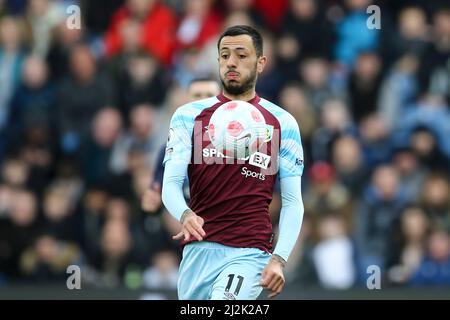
(237, 129)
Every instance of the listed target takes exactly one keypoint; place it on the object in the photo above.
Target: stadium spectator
(303, 22)
(270, 81)
(140, 138)
(436, 200)
(163, 273)
(314, 74)
(433, 270)
(376, 141)
(348, 160)
(434, 70)
(326, 194)
(21, 229)
(375, 217)
(47, 260)
(398, 89)
(245, 7)
(364, 84)
(293, 98)
(64, 41)
(11, 58)
(352, 34)
(409, 247)
(115, 256)
(97, 148)
(80, 96)
(142, 82)
(157, 28)
(33, 103)
(410, 37)
(412, 173)
(43, 16)
(333, 254)
(335, 120)
(198, 24)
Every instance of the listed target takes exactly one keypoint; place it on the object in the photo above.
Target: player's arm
(173, 199)
(291, 216)
(176, 161)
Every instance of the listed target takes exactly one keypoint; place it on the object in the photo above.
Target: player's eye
(242, 56)
(224, 56)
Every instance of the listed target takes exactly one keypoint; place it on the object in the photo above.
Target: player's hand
(151, 200)
(273, 277)
(192, 227)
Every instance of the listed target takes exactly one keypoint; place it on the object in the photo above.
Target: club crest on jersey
(260, 160)
(269, 133)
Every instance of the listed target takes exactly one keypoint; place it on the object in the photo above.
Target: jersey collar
(253, 100)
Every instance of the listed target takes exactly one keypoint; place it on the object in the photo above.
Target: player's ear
(261, 64)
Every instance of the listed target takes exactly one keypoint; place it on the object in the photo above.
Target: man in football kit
(226, 229)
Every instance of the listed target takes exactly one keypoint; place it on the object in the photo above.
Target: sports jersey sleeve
(291, 216)
(176, 160)
(179, 140)
(172, 189)
(291, 150)
(291, 170)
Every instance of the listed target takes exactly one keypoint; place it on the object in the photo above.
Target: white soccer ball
(237, 129)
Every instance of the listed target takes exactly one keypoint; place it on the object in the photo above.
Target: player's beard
(236, 89)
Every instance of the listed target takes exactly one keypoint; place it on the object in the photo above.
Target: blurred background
(84, 114)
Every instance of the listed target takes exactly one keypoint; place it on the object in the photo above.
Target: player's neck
(246, 96)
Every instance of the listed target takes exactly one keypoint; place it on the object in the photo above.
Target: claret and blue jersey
(232, 196)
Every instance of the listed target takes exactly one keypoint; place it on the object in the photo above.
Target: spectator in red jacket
(198, 24)
(158, 26)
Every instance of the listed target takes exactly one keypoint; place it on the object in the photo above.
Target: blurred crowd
(84, 113)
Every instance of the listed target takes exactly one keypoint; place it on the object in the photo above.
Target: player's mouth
(232, 75)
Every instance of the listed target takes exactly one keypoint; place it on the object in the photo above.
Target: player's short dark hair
(242, 29)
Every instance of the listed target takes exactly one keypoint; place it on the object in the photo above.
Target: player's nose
(232, 62)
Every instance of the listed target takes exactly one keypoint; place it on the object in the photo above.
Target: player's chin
(232, 84)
